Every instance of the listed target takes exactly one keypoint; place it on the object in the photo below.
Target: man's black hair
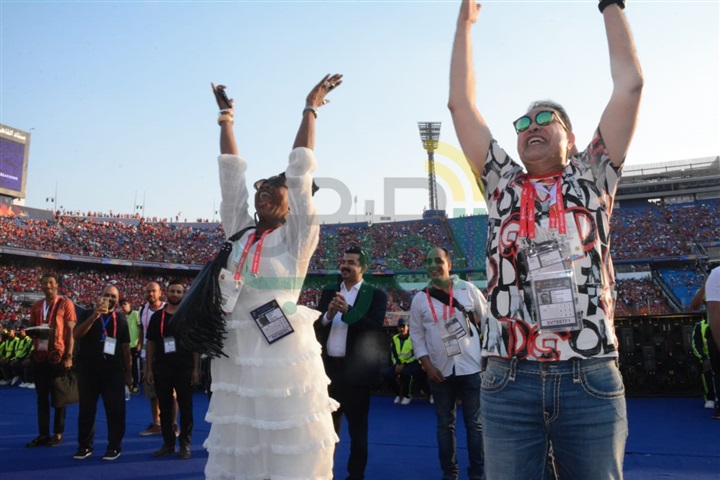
(364, 260)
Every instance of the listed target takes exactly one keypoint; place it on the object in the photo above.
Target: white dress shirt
(337, 340)
(427, 330)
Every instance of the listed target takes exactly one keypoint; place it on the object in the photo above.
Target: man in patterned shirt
(552, 374)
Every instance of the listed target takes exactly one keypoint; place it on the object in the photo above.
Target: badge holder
(229, 290)
(555, 293)
(109, 346)
(169, 344)
(272, 322)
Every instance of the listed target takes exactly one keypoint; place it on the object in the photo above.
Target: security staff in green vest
(405, 367)
(8, 353)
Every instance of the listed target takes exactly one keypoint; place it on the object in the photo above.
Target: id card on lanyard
(231, 284)
(549, 265)
(168, 342)
(451, 324)
(109, 343)
(48, 313)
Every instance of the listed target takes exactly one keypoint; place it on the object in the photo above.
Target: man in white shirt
(444, 321)
(153, 304)
(350, 332)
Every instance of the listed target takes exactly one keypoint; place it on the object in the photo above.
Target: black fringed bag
(199, 319)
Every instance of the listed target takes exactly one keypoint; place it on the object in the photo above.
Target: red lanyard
(450, 307)
(162, 322)
(527, 210)
(48, 311)
(256, 258)
(105, 322)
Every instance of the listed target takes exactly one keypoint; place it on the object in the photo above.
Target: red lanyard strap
(527, 210)
(446, 309)
(256, 258)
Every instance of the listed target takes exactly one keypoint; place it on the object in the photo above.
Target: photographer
(104, 367)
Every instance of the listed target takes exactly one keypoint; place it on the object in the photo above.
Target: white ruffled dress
(270, 410)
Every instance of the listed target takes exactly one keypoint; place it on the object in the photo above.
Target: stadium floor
(670, 438)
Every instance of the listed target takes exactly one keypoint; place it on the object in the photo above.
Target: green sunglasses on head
(542, 118)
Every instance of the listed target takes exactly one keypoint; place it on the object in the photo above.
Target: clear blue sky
(117, 94)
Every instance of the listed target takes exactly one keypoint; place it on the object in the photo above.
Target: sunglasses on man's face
(542, 118)
(276, 181)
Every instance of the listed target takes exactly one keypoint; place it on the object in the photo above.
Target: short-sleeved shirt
(160, 327)
(58, 315)
(588, 185)
(90, 347)
(133, 321)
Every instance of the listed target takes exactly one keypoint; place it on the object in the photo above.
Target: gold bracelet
(225, 118)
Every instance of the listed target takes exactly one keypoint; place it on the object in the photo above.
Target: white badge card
(555, 294)
(452, 346)
(109, 346)
(169, 344)
(544, 257)
(455, 328)
(42, 345)
(272, 321)
(229, 289)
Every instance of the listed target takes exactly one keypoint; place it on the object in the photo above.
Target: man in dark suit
(350, 332)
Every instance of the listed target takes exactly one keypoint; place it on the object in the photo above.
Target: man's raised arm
(470, 127)
(618, 121)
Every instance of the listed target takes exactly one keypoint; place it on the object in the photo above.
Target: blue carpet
(670, 438)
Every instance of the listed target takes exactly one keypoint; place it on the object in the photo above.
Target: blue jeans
(466, 388)
(578, 405)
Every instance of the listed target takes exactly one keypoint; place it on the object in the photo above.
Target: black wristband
(605, 3)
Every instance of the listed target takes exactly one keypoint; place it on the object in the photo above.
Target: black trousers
(104, 380)
(44, 374)
(168, 379)
(355, 405)
(135, 367)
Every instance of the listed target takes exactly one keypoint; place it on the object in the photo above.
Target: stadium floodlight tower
(430, 136)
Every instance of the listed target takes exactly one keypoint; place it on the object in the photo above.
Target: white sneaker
(14, 380)
(31, 386)
(4, 382)
(709, 404)
(406, 401)
(397, 399)
(431, 400)
(22, 385)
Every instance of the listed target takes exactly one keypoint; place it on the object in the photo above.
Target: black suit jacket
(365, 350)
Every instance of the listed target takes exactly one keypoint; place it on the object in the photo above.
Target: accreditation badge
(272, 322)
(229, 290)
(169, 344)
(109, 346)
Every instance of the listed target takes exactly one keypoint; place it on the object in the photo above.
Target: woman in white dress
(270, 410)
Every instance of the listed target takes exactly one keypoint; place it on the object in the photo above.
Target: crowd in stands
(659, 231)
(146, 241)
(640, 297)
(663, 230)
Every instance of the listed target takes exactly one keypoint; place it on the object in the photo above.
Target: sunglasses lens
(544, 118)
(522, 124)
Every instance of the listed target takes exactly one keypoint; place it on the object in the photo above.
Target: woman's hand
(316, 97)
(224, 103)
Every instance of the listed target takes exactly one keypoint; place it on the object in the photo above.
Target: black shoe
(185, 452)
(54, 441)
(39, 441)
(82, 453)
(716, 415)
(164, 450)
(111, 454)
